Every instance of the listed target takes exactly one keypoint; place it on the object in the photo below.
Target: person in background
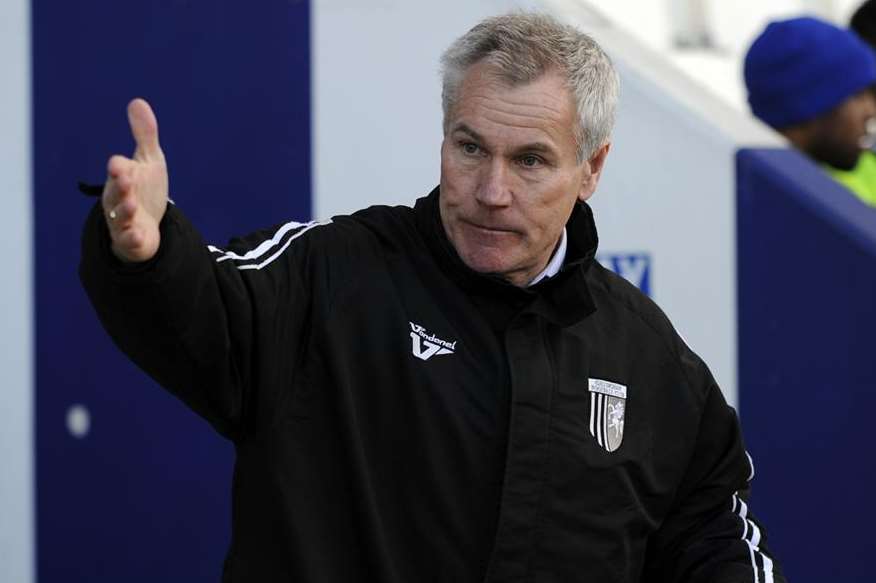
(863, 22)
(811, 81)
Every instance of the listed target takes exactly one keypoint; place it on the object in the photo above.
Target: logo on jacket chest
(424, 345)
(608, 403)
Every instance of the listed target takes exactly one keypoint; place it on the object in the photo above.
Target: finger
(121, 215)
(120, 174)
(144, 128)
(134, 243)
(119, 166)
(111, 194)
(128, 240)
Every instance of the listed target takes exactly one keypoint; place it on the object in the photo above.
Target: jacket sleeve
(710, 535)
(220, 329)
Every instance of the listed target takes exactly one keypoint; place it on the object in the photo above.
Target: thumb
(144, 128)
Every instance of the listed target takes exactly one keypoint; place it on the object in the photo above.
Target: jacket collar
(563, 299)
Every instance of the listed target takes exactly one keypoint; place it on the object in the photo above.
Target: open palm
(135, 195)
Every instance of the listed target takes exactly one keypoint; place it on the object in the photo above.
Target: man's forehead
(486, 74)
(539, 111)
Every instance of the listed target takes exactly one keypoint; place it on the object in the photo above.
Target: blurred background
(308, 108)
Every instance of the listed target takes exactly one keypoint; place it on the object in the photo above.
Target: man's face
(509, 173)
(836, 137)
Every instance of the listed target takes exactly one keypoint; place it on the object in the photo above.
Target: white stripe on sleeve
(265, 246)
(751, 464)
(753, 542)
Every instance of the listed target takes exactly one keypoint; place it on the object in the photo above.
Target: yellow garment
(861, 179)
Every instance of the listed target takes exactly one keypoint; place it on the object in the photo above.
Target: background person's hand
(135, 195)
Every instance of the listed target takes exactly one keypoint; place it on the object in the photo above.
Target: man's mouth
(490, 229)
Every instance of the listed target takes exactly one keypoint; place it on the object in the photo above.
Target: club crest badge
(608, 403)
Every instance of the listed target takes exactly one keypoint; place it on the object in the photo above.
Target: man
(451, 392)
(812, 81)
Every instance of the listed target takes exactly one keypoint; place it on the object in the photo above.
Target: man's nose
(868, 104)
(495, 189)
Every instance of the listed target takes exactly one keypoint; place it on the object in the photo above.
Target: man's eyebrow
(536, 147)
(531, 147)
(467, 130)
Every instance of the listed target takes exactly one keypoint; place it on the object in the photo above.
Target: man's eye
(530, 161)
(470, 149)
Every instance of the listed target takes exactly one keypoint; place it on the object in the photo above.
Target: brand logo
(608, 403)
(424, 345)
(634, 267)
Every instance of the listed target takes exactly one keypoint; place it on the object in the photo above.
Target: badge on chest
(607, 407)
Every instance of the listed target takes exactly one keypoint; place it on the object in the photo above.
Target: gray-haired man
(450, 392)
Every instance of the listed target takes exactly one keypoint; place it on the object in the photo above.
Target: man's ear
(593, 172)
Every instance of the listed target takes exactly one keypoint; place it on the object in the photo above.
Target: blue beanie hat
(800, 68)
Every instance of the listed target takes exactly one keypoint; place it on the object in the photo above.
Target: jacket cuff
(98, 257)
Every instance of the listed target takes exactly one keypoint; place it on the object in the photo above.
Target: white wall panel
(16, 312)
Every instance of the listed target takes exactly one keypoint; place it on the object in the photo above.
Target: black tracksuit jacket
(398, 417)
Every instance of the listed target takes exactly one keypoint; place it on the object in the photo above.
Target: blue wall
(145, 496)
(807, 363)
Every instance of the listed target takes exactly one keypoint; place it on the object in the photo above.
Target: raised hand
(135, 195)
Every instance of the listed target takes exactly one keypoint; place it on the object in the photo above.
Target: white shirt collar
(556, 262)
